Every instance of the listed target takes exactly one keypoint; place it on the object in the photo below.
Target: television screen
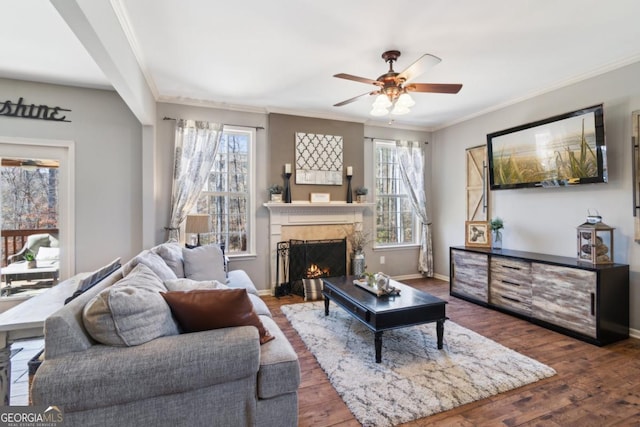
(563, 150)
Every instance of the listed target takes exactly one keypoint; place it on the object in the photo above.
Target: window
(226, 194)
(396, 224)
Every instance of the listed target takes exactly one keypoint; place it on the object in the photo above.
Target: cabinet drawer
(511, 302)
(510, 270)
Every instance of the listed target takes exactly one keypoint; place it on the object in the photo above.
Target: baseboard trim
(634, 333)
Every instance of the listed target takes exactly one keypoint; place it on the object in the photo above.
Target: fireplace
(306, 221)
(309, 259)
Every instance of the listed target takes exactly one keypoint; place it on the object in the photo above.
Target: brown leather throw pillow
(205, 309)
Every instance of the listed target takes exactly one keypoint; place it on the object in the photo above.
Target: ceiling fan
(393, 88)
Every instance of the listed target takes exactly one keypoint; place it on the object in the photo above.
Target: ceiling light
(379, 111)
(405, 100)
(382, 101)
(399, 110)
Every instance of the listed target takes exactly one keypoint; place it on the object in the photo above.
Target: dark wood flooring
(595, 386)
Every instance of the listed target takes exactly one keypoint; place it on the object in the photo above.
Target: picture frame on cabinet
(477, 234)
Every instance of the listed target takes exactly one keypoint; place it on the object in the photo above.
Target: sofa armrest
(103, 376)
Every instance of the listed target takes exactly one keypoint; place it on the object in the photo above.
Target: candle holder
(349, 192)
(287, 189)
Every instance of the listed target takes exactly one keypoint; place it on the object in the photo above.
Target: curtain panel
(411, 161)
(196, 145)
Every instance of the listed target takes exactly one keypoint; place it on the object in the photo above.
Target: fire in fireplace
(309, 259)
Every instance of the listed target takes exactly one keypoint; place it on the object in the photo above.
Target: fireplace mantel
(310, 214)
(321, 209)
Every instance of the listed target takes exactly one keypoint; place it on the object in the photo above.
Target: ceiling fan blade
(434, 87)
(358, 79)
(355, 98)
(423, 63)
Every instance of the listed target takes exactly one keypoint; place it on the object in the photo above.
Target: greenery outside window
(396, 224)
(226, 195)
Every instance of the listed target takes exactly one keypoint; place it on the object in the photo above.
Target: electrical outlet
(382, 260)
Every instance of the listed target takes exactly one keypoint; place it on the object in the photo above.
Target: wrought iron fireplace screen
(306, 259)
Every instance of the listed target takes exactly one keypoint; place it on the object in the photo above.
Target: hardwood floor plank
(595, 386)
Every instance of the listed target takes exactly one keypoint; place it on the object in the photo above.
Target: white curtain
(195, 150)
(411, 161)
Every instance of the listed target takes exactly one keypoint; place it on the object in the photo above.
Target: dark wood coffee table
(411, 307)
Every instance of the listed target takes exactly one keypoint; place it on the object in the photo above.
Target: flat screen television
(563, 150)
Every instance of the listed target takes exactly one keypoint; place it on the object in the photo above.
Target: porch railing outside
(14, 240)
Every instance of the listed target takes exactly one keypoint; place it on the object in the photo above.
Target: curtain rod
(224, 124)
(387, 139)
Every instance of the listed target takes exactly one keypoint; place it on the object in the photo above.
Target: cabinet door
(470, 274)
(565, 297)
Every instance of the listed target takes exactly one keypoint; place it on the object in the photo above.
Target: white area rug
(415, 379)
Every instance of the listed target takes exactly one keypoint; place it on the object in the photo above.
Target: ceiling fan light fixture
(405, 100)
(399, 110)
(382, 101)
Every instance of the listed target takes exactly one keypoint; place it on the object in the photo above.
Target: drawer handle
(511, 283)
(511, 299)
(512, 267)
(593, 304)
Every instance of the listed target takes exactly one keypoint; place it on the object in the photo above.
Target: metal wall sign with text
(32, 111)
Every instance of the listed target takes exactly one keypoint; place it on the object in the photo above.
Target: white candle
(287, 168)
(349, 171)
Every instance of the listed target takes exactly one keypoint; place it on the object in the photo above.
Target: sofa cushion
(204, 263)
(154, 262)
(94, 278)
(239, 279)
(190, 285)
(205, 309)
(171, 253)
(48, 254)
(279, 368)
(131, 312)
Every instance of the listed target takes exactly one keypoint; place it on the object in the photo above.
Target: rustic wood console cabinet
(588, 302)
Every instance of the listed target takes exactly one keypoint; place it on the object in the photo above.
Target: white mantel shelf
(308, 206)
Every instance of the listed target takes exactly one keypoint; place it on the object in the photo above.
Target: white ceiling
(280, 55)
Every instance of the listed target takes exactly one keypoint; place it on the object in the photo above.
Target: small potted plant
(31, 259)
(276, 192)
(361, 194)
(496, 225)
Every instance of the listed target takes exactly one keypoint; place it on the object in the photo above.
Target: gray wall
(107, 164)
(282, 131)
(545, 220)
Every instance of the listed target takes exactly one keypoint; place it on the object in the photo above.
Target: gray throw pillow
(131, 312)
(204, 263)
(154, 262)
(171, 253)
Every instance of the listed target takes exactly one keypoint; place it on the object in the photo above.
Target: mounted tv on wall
(563, 150)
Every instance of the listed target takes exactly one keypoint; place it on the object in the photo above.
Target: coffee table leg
(440, 332)
(378, 342)
(326, 306)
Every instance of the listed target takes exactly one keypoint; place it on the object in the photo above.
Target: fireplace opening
(308, 259)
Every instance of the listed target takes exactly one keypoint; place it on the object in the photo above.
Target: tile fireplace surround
(305, 220)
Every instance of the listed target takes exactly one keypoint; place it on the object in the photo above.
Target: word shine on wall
(32, 111)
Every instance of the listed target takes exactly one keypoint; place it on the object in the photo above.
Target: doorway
(34, 152)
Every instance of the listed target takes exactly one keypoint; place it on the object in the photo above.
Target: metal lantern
(595, 241)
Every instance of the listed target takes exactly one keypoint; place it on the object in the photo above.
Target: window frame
(250, 252)
(415, 223)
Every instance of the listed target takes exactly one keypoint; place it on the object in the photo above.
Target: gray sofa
(221, 377)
